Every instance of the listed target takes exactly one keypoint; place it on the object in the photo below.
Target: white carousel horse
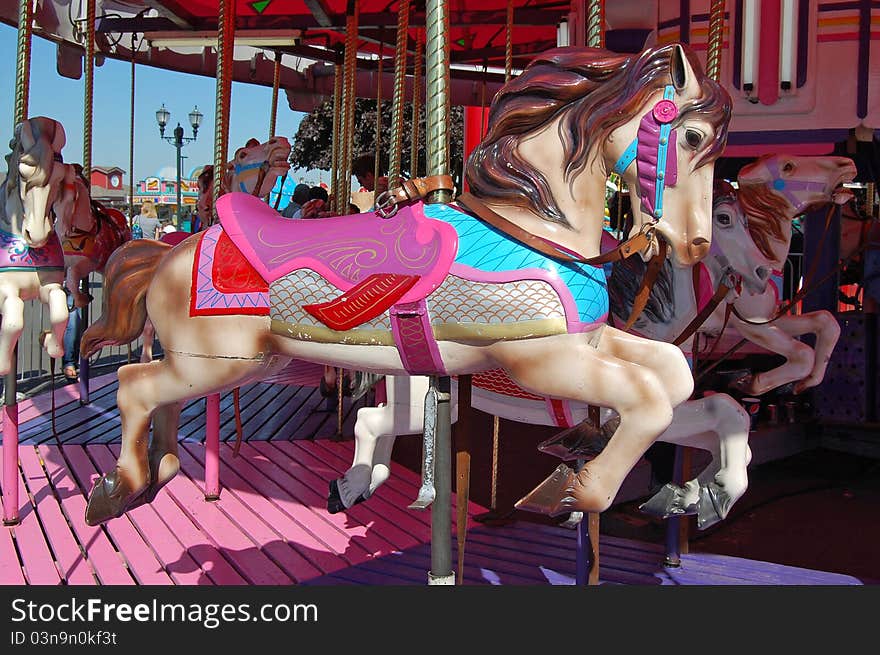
(89, 232)
(31, 260)
(716, 423)
(772, 191)
(254, 169)
(357, 291)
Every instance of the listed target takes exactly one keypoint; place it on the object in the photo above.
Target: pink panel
(768, 65)
(212, 445)
(10, 464)
(35, 553)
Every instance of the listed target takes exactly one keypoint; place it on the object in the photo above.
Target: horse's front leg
(719, 425)
(147, 336)
(827, 330)
(799, 357)
(12, 309)
(374, 433)
(53, 295)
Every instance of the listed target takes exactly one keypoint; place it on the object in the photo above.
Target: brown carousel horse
(432, 289)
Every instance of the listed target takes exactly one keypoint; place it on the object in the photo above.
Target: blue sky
(62, 99)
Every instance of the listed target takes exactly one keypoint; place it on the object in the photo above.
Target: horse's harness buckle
(386, 205)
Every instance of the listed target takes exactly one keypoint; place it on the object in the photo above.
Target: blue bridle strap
(629, 156)
(240, 168)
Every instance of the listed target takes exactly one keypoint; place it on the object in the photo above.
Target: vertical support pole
(225, 42)
(131, 146)
(276, 84)
(212, 447)
(88, 121)
(337, 113)
(582, 556)
(462, 434)
(349, 95)
(593, 532)
(673, 524)
(437, 107)
(596, 24)
(716, 40)
(396, 145)
(10, 382)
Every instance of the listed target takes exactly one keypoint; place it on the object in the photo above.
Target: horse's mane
(766, 212)
(623, 285)
(38, 155)
(592, 91)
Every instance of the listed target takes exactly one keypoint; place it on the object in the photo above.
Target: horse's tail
(127, 277)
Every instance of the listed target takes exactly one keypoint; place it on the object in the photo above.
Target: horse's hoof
(713, 505)
(334, 499)
(552, 496)
(111, 497)
(667, 502)
(583, 441)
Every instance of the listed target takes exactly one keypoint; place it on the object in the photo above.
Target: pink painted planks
(101, 554)
(173, 545)
(232, 542)
(41, 405)
(297, 566)
(10, 569)
(141, 559)
(301, 535)
(75, 568)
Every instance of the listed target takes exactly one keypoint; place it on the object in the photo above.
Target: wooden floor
(270, 525)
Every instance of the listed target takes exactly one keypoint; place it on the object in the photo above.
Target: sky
(62, 99)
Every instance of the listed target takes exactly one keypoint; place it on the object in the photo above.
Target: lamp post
(178, 141)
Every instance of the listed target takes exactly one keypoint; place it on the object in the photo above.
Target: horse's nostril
(763, 272)
(700, 241)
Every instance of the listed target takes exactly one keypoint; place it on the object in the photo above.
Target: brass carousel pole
(276, 84)
(10, 382)
(416, 110)
(436, 130)
(337, 113)
(396, 145)
(88, 121)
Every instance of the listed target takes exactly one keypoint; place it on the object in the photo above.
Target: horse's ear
(252, 143)
(683, 76)
(25, 135)
(60, 138)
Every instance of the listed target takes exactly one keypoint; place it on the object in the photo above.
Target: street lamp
(178, 140)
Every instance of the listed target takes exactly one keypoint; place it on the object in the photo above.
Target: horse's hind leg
(800, 358)
(144, 389)
(148, 335)
(827, 330)
(568, 366)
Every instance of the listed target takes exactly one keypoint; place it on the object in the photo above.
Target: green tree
(312, 145)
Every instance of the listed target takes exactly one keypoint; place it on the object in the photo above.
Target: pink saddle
(345, 250)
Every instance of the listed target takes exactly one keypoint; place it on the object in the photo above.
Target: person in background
(148, 221)
(297, 200)
(72, 334)
(364, 170)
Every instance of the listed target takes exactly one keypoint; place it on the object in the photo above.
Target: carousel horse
(430, 289)
(717, 423)
(771, 192)
(32, 260)
(254, 169)
(89, 232)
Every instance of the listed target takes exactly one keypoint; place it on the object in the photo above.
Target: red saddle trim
(232, 272)
(364, 301)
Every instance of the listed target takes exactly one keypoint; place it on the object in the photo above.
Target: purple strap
(411, 327)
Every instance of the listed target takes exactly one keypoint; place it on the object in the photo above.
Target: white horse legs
(719, 425)
(53, 296)
(827, 330)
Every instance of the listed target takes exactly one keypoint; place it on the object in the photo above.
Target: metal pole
(276, 83)
(396, 145)
(225, 42)
(437, 89)
(178, 144)
(596, 24)
(131, 142)
(716, 39)
(88, 106)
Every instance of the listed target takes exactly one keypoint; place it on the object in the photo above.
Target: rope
(23, 61)
(399, 92)
(88, 104)
(225, 42)
(416, 110)
(596, 24)
(496, 437)
(276, 83)
(337, 109)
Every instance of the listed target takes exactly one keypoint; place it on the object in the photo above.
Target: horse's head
(205, 203)
(69, 208)
(575, 114)
(774, 189)
(35, 178)
(255, 167)
(732, 244)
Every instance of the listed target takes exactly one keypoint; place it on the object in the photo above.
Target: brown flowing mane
(593, 91)
(765, 211)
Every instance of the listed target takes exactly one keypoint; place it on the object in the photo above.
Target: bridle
(264, 167)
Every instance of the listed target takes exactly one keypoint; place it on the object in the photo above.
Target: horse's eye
(723, 219)
(788, 167)
(693, 138)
